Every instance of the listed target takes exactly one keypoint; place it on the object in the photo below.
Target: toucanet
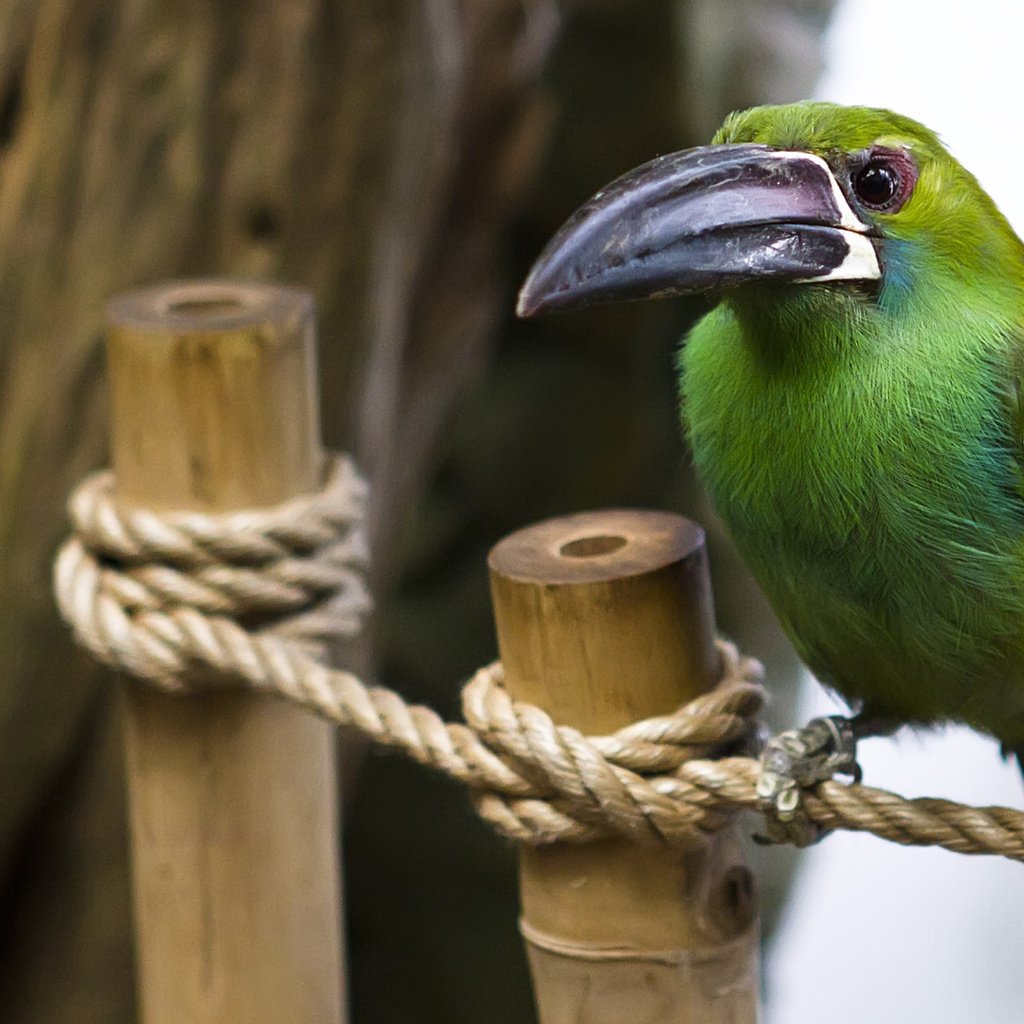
(853, 400)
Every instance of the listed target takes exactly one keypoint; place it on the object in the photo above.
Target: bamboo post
(232, 796)
(603, 619)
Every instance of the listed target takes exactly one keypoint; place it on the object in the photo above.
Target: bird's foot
(794, 760)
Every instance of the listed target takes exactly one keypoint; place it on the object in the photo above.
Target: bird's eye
(877, 184)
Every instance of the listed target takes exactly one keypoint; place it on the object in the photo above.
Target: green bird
(853, 400)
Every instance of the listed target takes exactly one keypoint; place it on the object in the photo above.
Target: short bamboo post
(603, 619)
(232, 796)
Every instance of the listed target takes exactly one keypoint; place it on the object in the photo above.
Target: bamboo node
(187, 600)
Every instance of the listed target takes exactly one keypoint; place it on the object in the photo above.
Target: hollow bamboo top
(593, 547)
(605, 617)
(210, 304)
(213, 394)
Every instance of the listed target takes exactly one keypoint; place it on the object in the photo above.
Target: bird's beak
(706, 218)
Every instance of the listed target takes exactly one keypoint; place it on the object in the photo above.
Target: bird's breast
(880, 508)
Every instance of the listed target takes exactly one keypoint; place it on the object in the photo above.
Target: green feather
(864, 447)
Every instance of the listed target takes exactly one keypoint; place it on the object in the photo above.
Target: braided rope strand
(181, 600)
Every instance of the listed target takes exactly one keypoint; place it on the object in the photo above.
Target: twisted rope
(187, 601)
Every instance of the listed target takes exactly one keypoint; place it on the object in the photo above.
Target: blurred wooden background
(405, 161)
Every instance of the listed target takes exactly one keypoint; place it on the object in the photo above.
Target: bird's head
(857, 199)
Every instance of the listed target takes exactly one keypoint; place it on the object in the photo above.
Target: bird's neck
(800, 331)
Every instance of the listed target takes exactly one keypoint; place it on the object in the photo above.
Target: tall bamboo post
(232, 796)
(603, 619)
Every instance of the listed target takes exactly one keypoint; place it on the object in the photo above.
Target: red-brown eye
(881, 178)
(877, 184)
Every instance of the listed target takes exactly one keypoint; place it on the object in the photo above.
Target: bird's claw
(794, 760)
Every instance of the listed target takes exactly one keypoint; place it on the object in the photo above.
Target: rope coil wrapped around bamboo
(185, 601)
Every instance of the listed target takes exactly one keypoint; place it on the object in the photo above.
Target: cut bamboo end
(603, 619)
(213, 395)
(232, 796)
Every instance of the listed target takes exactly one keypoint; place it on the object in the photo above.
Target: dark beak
(707, 218)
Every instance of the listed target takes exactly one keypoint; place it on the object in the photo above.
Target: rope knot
(148, 592)
(570, 786)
